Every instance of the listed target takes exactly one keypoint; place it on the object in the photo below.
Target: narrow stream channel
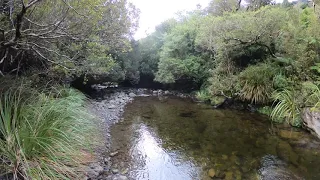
(172, 139)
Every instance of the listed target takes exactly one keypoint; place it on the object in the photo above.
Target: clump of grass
(203, 95)
(287, 107)
(41, 136)
(256, 83)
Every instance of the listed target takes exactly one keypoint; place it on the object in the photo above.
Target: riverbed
(167, 137)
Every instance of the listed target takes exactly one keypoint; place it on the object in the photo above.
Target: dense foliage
(68, 36)
(262, 53)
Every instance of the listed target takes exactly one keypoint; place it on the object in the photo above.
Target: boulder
(311, 120)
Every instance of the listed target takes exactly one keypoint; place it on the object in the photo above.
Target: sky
(153, 12)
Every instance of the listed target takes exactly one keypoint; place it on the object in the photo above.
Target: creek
(171, 138)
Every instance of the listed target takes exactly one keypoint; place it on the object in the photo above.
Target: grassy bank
(43, 135)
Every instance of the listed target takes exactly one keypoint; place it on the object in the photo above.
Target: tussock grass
(42, 135)
(287, 107)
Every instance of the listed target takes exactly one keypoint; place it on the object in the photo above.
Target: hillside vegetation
(265, 54)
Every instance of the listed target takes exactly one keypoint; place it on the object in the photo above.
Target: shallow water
(172, 138)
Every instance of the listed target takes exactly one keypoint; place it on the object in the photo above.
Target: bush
(223, 85)
(42, 136)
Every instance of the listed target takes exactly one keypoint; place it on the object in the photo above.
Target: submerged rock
(290, 134)
(211, 172)
(285, 151)
(311, 120)
(272, 168)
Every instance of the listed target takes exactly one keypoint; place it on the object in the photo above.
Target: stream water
(173, 138)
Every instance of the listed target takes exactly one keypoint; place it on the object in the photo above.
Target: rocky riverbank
(109, 111)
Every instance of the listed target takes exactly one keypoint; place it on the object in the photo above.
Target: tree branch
(32, 3)
(255, 41)
(50, 50)
(53, 62)
(5, 56)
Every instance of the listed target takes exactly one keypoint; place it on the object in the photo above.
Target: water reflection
(159, 164)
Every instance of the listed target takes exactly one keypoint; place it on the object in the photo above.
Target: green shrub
(41, 136)
(217, 100)
(223, 85)
(287, 107)
(280, 81)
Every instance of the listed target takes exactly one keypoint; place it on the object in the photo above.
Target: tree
(218, 7)
(64, 33)
(257, 4)
(180, 58)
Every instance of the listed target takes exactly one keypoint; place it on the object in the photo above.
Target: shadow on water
(177, 139)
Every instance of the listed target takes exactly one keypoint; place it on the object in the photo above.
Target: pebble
(120, 177)
(115, 171)
(112, 107)
(125, 171)
(114, 154)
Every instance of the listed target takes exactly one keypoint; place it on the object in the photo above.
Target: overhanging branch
(254, 42)
(53, 62)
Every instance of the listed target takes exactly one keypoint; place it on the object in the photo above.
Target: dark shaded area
(85, 83)
(146, 81)
(252, 55)
(18, 62)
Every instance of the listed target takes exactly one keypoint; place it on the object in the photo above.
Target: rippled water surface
(171, 138)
